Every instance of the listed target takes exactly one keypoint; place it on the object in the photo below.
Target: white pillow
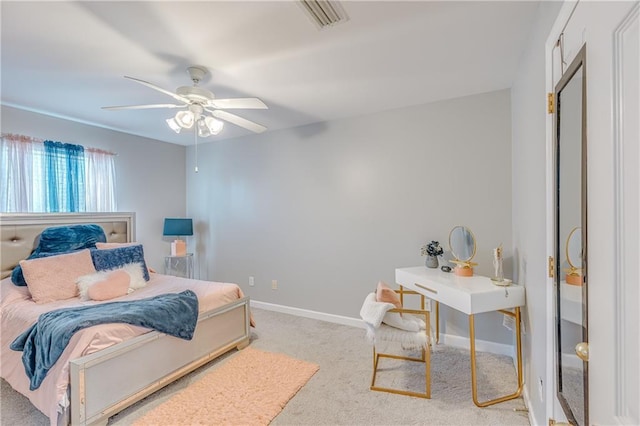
(136, 273)
(406, 322)
(133, 269)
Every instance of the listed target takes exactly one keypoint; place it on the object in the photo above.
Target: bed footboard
(106, 382)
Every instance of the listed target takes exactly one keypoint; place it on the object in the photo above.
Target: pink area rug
(250, 388)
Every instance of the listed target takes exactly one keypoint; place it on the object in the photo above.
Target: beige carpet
(338, 394)
(251, 388)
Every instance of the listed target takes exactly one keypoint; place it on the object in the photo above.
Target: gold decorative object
(574, 243)
(463, 247)
(498, 275)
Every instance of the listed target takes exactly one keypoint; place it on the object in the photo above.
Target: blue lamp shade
(177, 227)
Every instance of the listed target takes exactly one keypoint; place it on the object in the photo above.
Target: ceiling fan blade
(238, 121)
(159, 89)
(144, 106)
(237, 103)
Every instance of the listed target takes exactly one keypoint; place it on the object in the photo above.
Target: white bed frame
(104, 383)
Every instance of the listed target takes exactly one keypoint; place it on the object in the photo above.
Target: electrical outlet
(251, 282)
(274, 284)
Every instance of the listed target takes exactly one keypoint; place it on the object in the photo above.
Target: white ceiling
(68, 59)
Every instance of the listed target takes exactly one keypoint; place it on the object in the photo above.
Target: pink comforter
(18, 312)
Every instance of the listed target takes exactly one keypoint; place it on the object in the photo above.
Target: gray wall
(150, 173)
(331, 208)
(529, 205)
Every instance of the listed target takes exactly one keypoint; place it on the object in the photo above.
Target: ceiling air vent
(324, 13)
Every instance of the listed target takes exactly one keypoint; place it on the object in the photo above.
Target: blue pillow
(70, 238)
(62, 240)
(118, 257)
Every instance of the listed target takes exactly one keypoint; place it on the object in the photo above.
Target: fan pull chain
(195, 135)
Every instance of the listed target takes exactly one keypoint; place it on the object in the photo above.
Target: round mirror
(573, 251)
(462, 243)
(574, 248)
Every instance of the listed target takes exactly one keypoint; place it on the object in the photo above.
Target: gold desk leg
(437, 322)
(474, 384)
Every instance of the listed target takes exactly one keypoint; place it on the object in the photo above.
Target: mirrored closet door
(570, 241)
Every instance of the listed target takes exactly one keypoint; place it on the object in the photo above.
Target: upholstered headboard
(19, 231)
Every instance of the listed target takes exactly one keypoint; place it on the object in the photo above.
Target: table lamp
(178, 227)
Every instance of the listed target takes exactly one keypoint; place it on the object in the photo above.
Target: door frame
(552, 76)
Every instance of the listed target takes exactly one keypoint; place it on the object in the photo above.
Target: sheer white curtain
(100, 180)
(24, 180)
(21, 163)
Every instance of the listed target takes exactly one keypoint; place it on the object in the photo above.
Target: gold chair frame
(426, 351)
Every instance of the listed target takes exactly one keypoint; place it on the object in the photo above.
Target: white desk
(469, 295)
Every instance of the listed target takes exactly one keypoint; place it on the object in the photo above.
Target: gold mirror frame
(574, 273)
(464, 267)
(567, 253)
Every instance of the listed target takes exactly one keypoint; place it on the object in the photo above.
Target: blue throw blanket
(42, 344)
(62, 239)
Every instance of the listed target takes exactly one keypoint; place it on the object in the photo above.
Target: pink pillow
(102, 246)
(54, 278)
(384, 293)
(115, 284)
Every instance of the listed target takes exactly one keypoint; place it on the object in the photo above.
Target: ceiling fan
(200, 107)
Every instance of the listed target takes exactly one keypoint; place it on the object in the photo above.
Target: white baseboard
(481, 345)
(337, 319)
(449, 339)
(527, 402)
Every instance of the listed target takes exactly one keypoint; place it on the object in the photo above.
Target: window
(47, 176)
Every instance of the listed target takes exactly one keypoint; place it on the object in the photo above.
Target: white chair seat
(408, 339)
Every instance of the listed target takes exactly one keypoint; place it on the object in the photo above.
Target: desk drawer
(440, 293)
(470, 295)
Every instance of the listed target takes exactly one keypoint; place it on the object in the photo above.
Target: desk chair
(409, 340)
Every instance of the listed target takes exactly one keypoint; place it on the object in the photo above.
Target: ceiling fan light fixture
(173, 124)
(185, 119)
(208, 126)
(203, 130)
(214, 126)
(196, 102)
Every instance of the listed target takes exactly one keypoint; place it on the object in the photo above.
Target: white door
(611, 32)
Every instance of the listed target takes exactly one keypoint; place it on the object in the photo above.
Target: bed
(104, 370)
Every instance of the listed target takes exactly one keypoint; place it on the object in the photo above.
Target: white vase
(431, 262)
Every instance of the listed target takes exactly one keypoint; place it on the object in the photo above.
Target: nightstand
(179, 266)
